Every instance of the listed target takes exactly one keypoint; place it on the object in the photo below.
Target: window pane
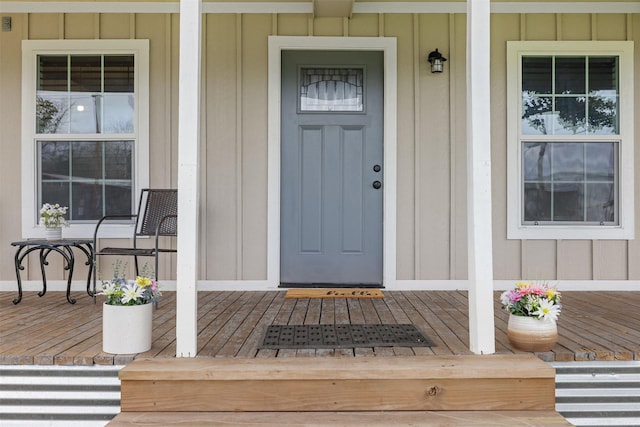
(54, 192)
(603, 74)
(571, 118)
(331, 89)
(603, 115)
(87, 160)
(118, 112)
(536, 74)
(537, 202)
(87, 201)
(54, 158)
(52, 73)
(94, 177)
(568, 202)
(86, 74)
(118, 73)
(118, 159)
(51, 112)
(570, 75)
(568, 161)
(570, 182)
(601, 160)
(536, 159)
(537, 117)
(84, 113)
(85, 97)
(119, 199)
(601, 202)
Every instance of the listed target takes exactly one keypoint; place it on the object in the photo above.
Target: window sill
(85, 231)
(558, 232)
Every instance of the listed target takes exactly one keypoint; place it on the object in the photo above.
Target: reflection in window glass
(584, 99)
(93, 178)
(331, 89)
(570, 75)
(536, 74)
(85, 94)
(570, 182)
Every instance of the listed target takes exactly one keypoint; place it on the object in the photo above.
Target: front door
(331, 168)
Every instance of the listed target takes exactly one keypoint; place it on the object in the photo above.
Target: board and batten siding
(431, 141)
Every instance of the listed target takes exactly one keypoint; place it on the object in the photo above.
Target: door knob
(377, 185)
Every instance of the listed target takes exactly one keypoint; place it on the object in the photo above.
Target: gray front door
(331, 168)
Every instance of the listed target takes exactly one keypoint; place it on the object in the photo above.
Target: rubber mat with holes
(343, 336)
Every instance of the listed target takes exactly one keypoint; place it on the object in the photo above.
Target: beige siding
(10, 190)
(431, 227)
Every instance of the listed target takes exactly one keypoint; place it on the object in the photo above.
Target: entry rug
(343, 336)
(334, 293)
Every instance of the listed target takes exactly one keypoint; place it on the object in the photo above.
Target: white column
(481, 323)
(188, 176)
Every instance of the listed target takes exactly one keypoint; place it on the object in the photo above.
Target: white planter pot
(531, 334)
(126, 329)
(53, 233)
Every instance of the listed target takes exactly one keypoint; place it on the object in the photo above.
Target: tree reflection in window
(570, 95)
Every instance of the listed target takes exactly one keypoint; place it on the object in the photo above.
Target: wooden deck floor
(48, 330)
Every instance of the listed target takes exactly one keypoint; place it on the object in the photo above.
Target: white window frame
(30, 51)
(625, 228)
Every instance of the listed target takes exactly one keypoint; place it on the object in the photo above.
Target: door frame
(389, 48)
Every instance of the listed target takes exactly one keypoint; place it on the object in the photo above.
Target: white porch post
(481, 323)
(188, 176)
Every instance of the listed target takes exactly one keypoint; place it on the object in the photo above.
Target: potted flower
(533, 312)
(127, 314)
(52, 219)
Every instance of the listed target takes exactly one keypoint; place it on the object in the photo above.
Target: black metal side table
(64, 248)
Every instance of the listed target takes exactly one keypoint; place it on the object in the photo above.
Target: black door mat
(343, 336)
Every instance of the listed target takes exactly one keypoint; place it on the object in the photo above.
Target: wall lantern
(437, 61)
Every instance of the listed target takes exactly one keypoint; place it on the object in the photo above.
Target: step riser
(339, 395)
(472, 383)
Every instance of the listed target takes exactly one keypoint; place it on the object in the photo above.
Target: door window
(331, 89)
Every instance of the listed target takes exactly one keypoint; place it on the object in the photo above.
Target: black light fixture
(437, 61)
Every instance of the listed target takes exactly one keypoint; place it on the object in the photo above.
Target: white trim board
(307, 7)
(399, 285)
(388, 46)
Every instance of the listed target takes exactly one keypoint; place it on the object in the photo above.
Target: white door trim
(388, 46)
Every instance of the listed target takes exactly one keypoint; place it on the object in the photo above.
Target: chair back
(154, 206)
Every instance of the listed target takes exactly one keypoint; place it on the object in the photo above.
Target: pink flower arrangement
(528, 299)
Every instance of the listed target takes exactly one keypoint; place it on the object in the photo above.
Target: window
(331, 89)
(570, 140)
(85, 127)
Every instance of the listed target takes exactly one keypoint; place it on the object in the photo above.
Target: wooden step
(451, 383)
(352, 419)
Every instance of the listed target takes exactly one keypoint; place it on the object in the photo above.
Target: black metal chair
(157, 217)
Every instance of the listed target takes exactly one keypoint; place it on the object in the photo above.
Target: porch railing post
(188, 177)
(481, 322)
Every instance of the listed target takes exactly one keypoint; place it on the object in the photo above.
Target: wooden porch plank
(369, 312)
(341, 311)
(328, 313)
(225, 333)
(446, 341)
(247, 327)
(250, 346)
(611, 330)
(355, 419)
(48, 330)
